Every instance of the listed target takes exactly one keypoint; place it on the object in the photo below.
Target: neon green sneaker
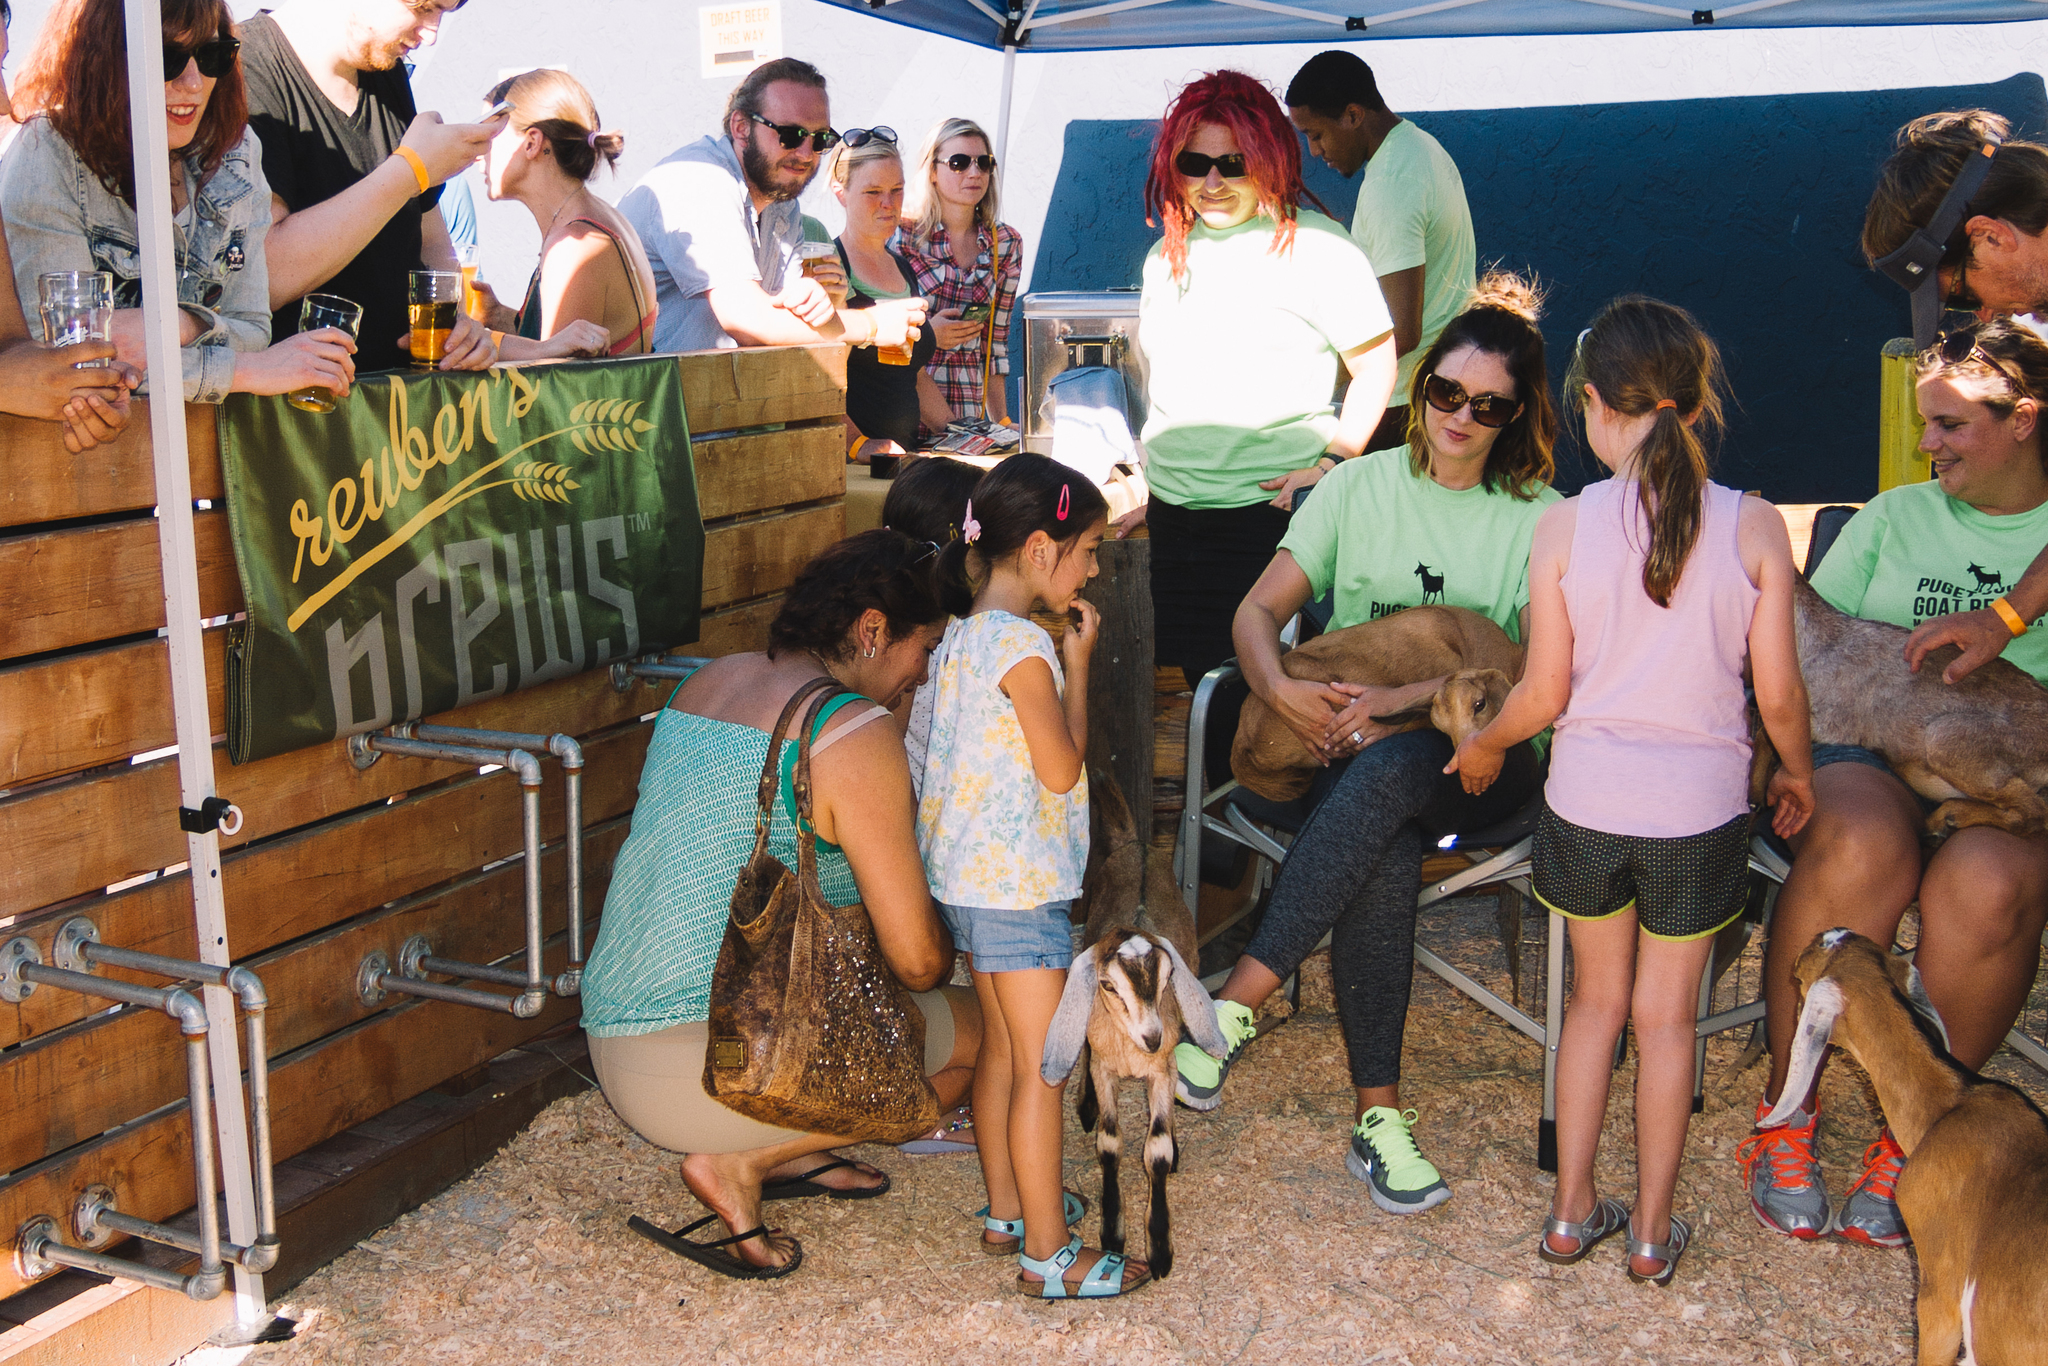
(1384, 1156)
(1199, 1083)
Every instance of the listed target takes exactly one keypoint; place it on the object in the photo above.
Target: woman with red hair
(67, 196)
(1250, 305)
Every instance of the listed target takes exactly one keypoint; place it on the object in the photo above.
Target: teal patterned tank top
(672, 882)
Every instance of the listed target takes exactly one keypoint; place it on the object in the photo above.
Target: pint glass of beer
(433, 297)
(315, 312)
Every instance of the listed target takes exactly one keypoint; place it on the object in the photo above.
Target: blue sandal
(1013, 1229)
(1105, 1280)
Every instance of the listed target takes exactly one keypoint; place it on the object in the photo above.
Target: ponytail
(1023, 495)
(1646, 357)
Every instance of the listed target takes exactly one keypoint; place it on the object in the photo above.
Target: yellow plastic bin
(1899, 460)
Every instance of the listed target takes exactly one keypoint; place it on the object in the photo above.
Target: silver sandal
(1666, 1252)
(1608, 1218)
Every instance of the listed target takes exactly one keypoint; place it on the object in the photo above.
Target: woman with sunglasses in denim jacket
(968, 264)
(1914, 554)
(1251, 306)
(866, 174)
(1448, 518)
(67, 196)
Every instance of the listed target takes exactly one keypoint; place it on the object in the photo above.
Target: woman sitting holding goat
(1448, 518)
(1914, 553)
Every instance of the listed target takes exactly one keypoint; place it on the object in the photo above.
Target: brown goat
(1422, 642)
(1127, 996)
(1974, 1190)
(1979, 747)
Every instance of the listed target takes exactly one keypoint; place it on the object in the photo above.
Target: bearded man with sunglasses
(1994, 261)
(355, 172)
(721, 225)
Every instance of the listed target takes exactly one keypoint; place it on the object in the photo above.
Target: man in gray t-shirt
(721, 225)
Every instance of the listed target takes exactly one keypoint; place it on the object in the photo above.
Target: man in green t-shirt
(1412, 221)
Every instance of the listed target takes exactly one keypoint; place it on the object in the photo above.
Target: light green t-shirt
(1914, 553)
(1412, 212)
(1384, 538)
(1242, 353)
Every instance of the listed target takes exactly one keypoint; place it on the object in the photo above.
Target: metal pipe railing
(39, 1249)
(374, 976)
(654, 668)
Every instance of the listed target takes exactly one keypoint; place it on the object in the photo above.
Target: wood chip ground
(1282, 1257)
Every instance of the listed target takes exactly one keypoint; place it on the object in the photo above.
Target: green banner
(438, 539)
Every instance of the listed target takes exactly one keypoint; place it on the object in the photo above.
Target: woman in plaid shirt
(965, 262)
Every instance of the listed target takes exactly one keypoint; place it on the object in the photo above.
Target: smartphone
(501, 107)
(975, 313)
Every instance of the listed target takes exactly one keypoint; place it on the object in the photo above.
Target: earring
(870, 653)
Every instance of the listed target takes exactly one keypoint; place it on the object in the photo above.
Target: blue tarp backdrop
(1746, 211)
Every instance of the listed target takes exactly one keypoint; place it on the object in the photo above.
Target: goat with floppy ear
(1974, 1190)
(1127, 996)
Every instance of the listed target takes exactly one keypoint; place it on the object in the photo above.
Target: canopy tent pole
(1003, 109)
(149, 129)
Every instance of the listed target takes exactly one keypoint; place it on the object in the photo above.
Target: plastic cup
(808, 254)
(76, 306)
(433, 298)
(315, 312)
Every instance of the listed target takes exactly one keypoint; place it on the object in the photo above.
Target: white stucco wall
(640, 59)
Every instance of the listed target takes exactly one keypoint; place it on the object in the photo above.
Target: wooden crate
(332, 862)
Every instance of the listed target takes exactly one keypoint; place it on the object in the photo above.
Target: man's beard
(761, 174)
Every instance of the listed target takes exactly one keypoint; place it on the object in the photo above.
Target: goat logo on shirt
(1432, 584)
(1937, 597)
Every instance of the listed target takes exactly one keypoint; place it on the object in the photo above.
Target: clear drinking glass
(77, 306)
(433, 298)
(315, 312)
(466, 257)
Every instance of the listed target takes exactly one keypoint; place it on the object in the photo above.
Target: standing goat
(1974, 1190)
(1127, 996)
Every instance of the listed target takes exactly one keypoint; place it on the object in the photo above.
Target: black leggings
(1355, 872)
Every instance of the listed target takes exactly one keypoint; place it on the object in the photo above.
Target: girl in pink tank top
(1647, 593)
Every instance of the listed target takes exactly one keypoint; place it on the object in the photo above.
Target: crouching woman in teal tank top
(863, 613)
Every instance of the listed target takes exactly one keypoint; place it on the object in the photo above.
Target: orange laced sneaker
(1783, 1176)
(1870, 1213)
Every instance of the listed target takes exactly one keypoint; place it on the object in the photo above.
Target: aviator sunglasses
(960, 161)
(1488, 410)
(216, 58)
(1955, 348)
(1195, 166)
(793, 134)
(861, 137)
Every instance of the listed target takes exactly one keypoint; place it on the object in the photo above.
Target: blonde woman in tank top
(1647, 593)
(592, 293)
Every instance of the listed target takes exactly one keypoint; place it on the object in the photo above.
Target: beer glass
(315, 312)
(76, 306)
(433, 298)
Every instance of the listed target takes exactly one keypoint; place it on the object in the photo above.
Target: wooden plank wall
(332, 862)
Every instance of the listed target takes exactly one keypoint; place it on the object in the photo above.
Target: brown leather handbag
(809, 1029)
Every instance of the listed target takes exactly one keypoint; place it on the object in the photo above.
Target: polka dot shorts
(1684, 888)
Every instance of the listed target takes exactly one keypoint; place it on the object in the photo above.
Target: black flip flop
(712, 1256)
(800, 1187)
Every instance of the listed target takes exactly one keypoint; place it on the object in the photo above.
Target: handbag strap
(806, 831)
(995, 295)
(765, 808)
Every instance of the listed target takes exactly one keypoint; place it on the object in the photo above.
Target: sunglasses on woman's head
(1488, 410)
(960, 161)
(1955, 348)
(793, 134)
(1195, 166)
(861, 137)
(216, 58)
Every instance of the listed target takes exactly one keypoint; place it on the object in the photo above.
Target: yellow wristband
(2012, 620)
(419, 168)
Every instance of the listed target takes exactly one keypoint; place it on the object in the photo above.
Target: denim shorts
(1012, 941)
(1823, 755)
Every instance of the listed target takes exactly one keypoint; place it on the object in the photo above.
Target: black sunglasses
(1955, 348)
(1488, 410)
(861, 137)
(793, 134)
(1195, 166)
(216, 58)
(960, 161)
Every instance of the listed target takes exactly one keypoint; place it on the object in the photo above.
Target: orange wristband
(419, 168)
(2006, 614)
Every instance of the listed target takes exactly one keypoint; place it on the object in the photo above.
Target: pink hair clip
(970, 530)
(1065, 503)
